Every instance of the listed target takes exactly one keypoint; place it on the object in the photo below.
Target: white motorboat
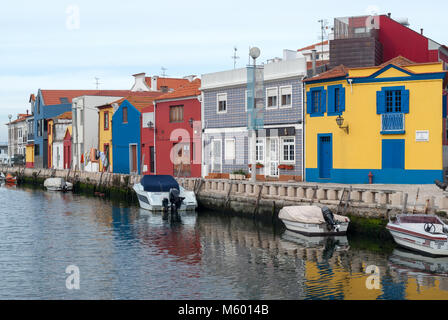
(57, 184)
(423, 233)
(155, 192)
(313, 221)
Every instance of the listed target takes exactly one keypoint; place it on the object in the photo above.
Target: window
(222, 102)
(288, 154)
(176, 113)
(336, 100)
(164, 88)
(285, 97)
(316, 102)
(393, 101)
(36, 150)
(63, 100)
(259, 150)
(229, 149)
(106, 120)
(272, 98)
(125, 114)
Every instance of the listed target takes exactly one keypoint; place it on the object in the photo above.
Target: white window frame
(267, 98)
(280, 97)
(262, 142)
(212, 151)
(217, 102)
(226, 154)
(282, 153)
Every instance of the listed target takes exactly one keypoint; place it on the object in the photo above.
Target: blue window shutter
(331, 100)
(380, 102)
(309, 102)
(323, 101)
(405, 101)
(342, 99)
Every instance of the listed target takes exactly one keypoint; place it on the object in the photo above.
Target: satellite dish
(254, 52)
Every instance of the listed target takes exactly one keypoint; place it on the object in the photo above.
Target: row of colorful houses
(385, 122)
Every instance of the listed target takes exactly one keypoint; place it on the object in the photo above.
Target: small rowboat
(9, 179)
(424, 233)
(313, 221)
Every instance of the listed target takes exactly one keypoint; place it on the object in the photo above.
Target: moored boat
(313, 221)
(155, 192)
(10, 179)
(424, 233)
(57, 184)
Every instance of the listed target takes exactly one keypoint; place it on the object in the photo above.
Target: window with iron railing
(392, 105)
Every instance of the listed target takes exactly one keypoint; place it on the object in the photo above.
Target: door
(273, 157)
(216, 155)
(151, 160)
(133, 158)
(325, 156)
(181, 160)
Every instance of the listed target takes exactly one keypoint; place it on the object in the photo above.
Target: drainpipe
(303, 131)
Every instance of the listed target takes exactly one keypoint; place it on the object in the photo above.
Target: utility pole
(234, 57)
(9, 139)
(254, 53)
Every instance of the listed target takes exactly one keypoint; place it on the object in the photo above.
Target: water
(123, 252)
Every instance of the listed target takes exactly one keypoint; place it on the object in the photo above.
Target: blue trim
(415, 77)
(385, 176)
(389, 66)
(332, 102)
(444, 106)
(393, 132)
(322, 103)
(326, 80)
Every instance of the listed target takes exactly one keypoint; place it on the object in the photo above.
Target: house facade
(105, 113)
(379, 124)
(57, 130)
(278, 150)
(18, 136)
(177, 149)
(126, 132)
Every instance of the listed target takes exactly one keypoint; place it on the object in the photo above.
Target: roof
(171, 83)
(189, 90)
(20, 117)
(53, 97)
(399, 61)
(336, 72)
(65, 115)
(140, 100)
(314, 46)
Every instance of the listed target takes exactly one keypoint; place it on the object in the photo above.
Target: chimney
(139, 82)
(154, 83)
(26, 111)
(313, 59)
(389, 15)
(421, 31)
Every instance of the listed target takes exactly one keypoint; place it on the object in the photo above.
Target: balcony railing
(392, 123)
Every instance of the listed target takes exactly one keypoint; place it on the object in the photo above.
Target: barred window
(176, 113)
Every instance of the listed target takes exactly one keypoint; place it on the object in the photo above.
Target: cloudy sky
(44, 44)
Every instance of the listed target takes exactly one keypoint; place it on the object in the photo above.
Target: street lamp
(9, 140)
(340, 122)
(254, 53)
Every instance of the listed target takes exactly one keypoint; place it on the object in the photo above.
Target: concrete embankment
(369, 208)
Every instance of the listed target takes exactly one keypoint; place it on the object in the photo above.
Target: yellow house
(105, 113)
(382, 124)
(29, 155)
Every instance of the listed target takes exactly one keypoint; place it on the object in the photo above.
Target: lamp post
(9, 139)
(340, 122)
(254, 53)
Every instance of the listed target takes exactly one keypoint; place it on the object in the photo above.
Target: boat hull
(152, 201)
(313, 229)
(420, 243)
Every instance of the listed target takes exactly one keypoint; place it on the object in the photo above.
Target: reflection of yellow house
(105, 113)
(50, 128)
(382, 121)
(426, 291)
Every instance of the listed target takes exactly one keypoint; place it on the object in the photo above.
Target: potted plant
(259, 165)
(238, 175)
(286, 167)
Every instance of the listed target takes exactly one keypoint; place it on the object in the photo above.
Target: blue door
(393, 154)
(325, 155)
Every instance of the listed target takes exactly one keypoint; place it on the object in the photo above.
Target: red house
(176, 123)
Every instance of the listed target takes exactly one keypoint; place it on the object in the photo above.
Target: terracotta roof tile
(336, 72)
(188, 90)
(399, 61)
(20, 117)
(141, 100)
(53, 97)
(171, 83)
(65, 115)
(314, 45)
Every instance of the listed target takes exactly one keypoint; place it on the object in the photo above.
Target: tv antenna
(235, 57)
(97, 82)
(323, 36)
(164, 72)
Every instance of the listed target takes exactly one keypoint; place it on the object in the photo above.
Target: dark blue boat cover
(159, 183)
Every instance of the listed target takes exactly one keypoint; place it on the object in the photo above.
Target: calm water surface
(124, 252)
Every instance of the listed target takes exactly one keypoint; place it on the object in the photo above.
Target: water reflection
(124, 252)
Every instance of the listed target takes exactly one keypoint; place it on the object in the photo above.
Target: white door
(272, 169)
(216, 156)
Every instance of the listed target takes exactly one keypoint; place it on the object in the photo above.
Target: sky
(66, 44)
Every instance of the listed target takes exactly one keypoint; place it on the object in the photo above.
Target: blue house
(126, 133)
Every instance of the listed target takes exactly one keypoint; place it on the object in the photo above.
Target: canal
(124, 252)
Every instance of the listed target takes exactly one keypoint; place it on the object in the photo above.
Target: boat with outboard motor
(420, 232)
(313, 221)
(57, 184)
(159, 192)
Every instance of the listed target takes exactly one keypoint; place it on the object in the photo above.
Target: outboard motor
(329, 219)
(176, 201)
(165, 204)
(441, 184)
